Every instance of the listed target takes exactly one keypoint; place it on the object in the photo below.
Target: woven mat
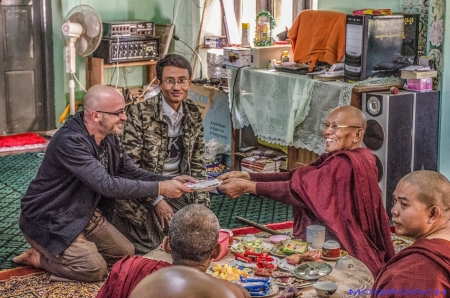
(37, 284)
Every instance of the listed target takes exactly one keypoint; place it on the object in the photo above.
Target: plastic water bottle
(245, 39)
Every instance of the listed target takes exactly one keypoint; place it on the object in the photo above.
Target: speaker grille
(380, 167)
(374, 136)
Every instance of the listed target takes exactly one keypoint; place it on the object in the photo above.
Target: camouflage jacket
(146, 135)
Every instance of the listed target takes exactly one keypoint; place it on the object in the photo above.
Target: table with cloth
(287, 108)
(350, 283)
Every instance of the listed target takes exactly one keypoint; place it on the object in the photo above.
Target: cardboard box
(262, 55)
(213, 104)
(237, 57)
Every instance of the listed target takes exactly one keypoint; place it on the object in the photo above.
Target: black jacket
(72, 182)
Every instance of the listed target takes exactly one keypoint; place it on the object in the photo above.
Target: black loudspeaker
(402, 131)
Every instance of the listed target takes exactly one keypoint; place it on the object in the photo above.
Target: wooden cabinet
(95, 70)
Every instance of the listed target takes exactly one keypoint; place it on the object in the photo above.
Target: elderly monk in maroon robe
(192, 241)
(422, 211)
(339, 191)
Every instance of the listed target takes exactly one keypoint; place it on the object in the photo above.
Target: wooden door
(25, 75)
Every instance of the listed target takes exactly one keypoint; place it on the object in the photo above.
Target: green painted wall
(444, 144)
(187, 25)
(161, 12)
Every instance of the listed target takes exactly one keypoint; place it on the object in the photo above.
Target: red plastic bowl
(224, 238)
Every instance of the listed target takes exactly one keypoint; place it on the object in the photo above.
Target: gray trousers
(97, 248)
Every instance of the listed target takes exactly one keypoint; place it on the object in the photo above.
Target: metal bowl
(312, 270)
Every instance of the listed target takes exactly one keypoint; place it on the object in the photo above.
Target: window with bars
(283, 11)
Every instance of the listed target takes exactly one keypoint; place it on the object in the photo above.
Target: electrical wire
(143, 91)
(76, 79)
(117, 63)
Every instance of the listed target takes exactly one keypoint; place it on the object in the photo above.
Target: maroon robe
(126, 274)
(339, 191)
(423, 269)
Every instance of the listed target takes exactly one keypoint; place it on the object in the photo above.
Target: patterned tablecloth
(350, 283)
(285, 108)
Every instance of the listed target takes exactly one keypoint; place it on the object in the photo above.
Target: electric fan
(83, 31)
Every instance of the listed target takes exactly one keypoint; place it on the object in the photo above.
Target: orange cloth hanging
(318, 35)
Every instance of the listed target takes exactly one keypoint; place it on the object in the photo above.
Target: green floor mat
(17, 171)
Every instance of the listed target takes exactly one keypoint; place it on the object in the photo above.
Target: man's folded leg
(81, 261)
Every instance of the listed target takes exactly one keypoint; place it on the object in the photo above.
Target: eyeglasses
(113, 113)
(183, 83)
(335, 126)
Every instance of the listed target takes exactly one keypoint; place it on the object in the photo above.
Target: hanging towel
(318, 35)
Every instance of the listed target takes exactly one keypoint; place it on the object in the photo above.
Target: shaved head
(98, 97)
(354, 115)
(181, 282)
(433, 188)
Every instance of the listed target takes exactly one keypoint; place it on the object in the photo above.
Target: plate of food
(283, 282)
(280, 251)
(256, 245)
(203, 185)
(230, 272)
(276, 251)
(273, 290)
(301, 283)
(276, 261)
(284, 265)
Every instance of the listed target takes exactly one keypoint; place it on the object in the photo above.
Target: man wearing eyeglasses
(163, 134)
(66, 210)
(339, 191)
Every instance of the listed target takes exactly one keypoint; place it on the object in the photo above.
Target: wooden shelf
(95, 70)
(126, 64)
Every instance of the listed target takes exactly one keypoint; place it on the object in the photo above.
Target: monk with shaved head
(338, 191)
(192, 242)
(183, 282)
(66, 210)
(421, 211)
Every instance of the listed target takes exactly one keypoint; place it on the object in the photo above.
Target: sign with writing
(214, 106)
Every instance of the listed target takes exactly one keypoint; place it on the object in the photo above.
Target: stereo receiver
(128, 50)
(133, 28)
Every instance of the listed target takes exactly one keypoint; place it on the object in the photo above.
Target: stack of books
(258, 164)
(418, 72)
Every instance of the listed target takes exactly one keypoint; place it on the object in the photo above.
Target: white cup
(315, 236)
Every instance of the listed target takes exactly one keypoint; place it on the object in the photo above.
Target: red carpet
(273, 226)
(23, 139)
(18, 271)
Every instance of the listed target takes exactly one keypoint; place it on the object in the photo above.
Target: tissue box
(420, 85)
(237, 57)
